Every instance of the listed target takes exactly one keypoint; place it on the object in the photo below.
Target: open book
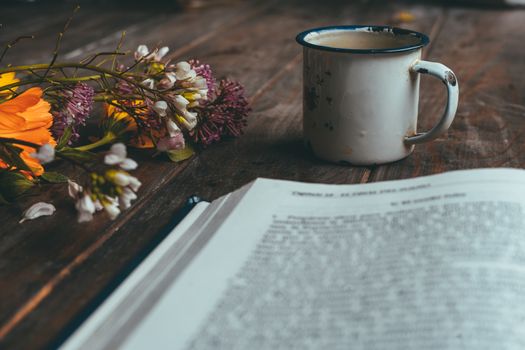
(435, 262)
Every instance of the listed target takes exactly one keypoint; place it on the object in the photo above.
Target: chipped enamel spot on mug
(347, 151)
(311, 98)
(451, 78)
(329, 126)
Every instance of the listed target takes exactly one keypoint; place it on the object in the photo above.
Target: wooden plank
(36, 255)
(485, 49)
(37, 269)
(261, 53)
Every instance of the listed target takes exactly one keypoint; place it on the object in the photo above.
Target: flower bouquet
(151, 102)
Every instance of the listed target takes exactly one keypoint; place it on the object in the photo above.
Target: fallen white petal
(37, 210)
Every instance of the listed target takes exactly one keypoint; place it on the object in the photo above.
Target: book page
(429, 263)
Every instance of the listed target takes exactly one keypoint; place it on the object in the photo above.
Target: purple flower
(74, 106)
(225, 115)
(204, 70)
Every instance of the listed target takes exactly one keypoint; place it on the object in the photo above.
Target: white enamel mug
(361, 93)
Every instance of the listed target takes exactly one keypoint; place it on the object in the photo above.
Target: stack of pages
(435, 262)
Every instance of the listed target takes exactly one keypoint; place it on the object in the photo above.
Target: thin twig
(13, 43)
(94, 57)
(59, 40)
(119, 45)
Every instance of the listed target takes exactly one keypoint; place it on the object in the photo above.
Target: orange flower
(26, 117)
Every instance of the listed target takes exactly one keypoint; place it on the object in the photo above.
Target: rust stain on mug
(451, 78)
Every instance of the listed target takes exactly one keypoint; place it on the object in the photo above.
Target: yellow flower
(7, 79)
(139, 139)
(27, 117)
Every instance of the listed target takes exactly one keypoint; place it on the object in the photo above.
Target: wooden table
(53, 269)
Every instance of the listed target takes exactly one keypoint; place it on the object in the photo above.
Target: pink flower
(171, 142)
(222, 116)
(204, 70)
(75, 105)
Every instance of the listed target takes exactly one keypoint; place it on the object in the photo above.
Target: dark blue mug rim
(423, 39)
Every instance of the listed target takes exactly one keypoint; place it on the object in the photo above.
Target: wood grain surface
(52, 269)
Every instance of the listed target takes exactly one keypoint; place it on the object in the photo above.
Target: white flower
(85, 208)
(199, 83)
(142, 51)
(126, 197)
(171, 77)
(168, 81)
(180, 102)
(117, 155)
(111, 207)
(189, 119)
(121, 178)
(45, 154)
(98, 206)
(173, 128)
(161, 107)
(73, 189)
(183, 71)
(149, 83)
(37, 210)
(161, 53)
(134, 183)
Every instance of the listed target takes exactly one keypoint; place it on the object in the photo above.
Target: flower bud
(161, 107)
(171, 143)
(142, 51)
(161, 53)
(45, 154)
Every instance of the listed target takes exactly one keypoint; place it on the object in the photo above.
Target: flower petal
(73, 189)
(37, 210)
(128, 164)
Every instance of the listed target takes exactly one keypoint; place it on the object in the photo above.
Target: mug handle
(448, 77)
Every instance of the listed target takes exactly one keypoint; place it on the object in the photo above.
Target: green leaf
(181, 154)
(54, 177)
(13, 184)
(80, 156)
(65, 138)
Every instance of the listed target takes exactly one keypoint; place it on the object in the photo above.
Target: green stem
(103, 71)
(108, 138)
(37, 146)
